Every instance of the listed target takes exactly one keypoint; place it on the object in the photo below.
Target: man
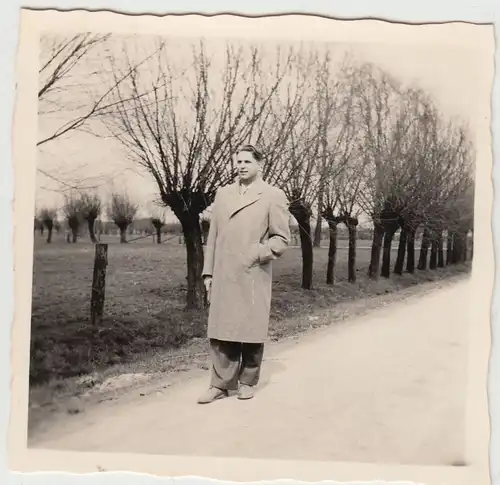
(248, 230)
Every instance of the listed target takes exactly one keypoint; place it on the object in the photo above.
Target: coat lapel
(252, 195)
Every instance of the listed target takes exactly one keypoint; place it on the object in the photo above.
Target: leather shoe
(212, 395)
(246, 392)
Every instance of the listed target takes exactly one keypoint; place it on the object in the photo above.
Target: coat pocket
(253, 258)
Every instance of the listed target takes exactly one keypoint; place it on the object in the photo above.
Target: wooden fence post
(98, 285)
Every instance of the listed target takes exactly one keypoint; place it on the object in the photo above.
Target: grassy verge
(145, 295)
(147, 332)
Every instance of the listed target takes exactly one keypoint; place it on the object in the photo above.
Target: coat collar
(252, 195)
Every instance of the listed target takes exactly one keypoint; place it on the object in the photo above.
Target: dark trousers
(234, 362)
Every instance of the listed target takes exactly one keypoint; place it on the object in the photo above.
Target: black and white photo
(245, 240)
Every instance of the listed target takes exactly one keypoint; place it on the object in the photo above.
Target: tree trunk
(317, 233)
(440, 244)
(424, 250)
(457, 249)
(351, 266)
(434, 254)
(49, 224)
(123, 235)
(378, 236)
(317, 230)
(386, 257)
(400, 261)
(74, 232)
(449, 248)
(302, 215)
(205, 228)
(410, 262)
(332, 254)
(158, 226)
(91, 224)
(192, 233)
(307, 253)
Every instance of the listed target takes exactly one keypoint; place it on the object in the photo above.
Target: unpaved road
(387, 387)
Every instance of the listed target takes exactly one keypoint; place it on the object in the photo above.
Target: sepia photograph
(256, 238)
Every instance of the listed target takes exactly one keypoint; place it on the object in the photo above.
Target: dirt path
(389, 386)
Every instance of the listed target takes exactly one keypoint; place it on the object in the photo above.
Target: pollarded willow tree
(416, 161)
(377, 98)
(37, 223)
(450, 202)
(304, 139)
(342, 207)
(288, 137)
(72, 210)
(333, 99)
(296, 175)
(181, 115)
(343, 168)
(418, 174)
(461, 222)
(48, 217)
(122, 211)
(395, 145)
(158, 222)
(91, 207)
(432, 154)
(409, 176)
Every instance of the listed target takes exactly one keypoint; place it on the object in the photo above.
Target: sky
(450, 72)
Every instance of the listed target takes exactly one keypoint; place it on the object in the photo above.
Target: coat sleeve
(209, 256)
(279, 229)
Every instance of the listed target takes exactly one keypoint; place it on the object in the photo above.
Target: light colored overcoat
(247, 232)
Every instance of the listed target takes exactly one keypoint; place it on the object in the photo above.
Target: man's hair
(254, 151)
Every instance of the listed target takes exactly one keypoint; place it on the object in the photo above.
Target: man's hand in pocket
(208, 286)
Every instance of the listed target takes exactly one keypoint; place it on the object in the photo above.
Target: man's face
(247, 166)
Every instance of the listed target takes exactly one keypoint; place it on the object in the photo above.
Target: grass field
(145, 296)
